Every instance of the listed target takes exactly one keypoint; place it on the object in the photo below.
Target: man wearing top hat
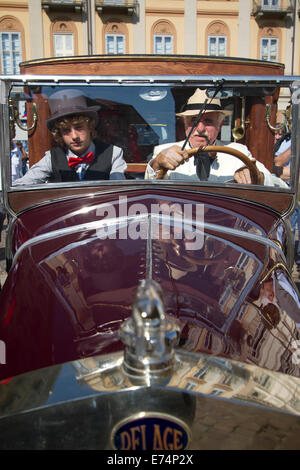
(77, 156)
(218, 167)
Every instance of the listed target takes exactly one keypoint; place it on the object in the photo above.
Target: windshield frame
(249, 82)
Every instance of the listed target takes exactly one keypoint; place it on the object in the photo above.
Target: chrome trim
(123, 220)
(270, 271)
(8, 241)
(295, 146)
(249, 80)
(149, 258)
(94, 371)
(166, 182)
(5, 150)
(187, 366)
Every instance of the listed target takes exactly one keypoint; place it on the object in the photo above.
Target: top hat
(196, 101)
(68, 102)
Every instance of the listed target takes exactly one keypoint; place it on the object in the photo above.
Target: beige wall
(123, 27)
(219, 16)
(18, 10)
(253, 38)
(138, 37)
(99, 43)
(36, 29)
(167, 6)
(46, 29)
(175, 22)
(73, 21)
(169, 11)
(276, 29)
(218, 24)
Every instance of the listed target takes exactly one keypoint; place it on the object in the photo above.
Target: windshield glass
(159, 132)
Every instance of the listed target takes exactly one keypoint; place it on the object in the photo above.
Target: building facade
(256, 29)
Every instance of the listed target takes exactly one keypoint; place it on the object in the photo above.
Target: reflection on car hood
(220, 404)
(85, 261)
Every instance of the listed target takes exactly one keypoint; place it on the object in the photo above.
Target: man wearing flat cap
(78, 155)
(217, 167)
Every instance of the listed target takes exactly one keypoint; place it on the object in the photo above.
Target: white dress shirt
(222, 168)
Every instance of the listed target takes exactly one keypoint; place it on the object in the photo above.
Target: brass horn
(267, 118)
(15, 116)
(238, 132)
(288, 117)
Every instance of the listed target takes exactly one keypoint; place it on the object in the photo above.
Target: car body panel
(81, 279)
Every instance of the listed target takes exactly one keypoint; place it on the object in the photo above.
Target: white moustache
(200, 134)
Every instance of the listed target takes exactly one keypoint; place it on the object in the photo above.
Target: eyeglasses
(206, 121)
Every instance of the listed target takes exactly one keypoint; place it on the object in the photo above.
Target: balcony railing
(67, 5)
(128, 7)
(277, 9)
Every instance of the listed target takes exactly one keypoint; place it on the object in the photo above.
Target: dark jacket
(99, 169)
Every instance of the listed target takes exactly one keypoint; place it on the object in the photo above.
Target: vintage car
(151, 314)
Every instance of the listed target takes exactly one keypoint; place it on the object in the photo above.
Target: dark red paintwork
(57, 214)
(67, 293)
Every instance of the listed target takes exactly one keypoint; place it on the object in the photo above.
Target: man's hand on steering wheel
(243, 176)
(170, 158)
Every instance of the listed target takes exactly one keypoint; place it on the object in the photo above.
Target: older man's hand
(243, 176)
(170, 158)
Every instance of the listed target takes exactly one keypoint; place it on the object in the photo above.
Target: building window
(114, 44)
(63, 45)
(201, 372)
(269, 49)
(216, 392)
(163, 44)
(190, 386)
(271, 4)
(217, 45)
(64, 38)
(11, 52)
(217, 36)
(163, 33)
(115, 37)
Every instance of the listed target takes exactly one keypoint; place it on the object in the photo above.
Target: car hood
(84, 261)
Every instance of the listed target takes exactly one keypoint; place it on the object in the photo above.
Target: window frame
(217, 37)
(115, 36)
(114, 2)
(64, 35)
(269, 43)
(268, 4)
(163, 37)
(14, 70)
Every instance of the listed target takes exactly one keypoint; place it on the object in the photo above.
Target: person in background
(16, 157)
(24, 157)
(282, 153)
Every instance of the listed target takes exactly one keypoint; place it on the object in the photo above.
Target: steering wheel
(222, 148)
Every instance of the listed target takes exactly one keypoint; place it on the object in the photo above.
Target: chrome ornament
(150, 337)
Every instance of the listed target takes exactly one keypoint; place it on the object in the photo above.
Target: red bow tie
(74, 161)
